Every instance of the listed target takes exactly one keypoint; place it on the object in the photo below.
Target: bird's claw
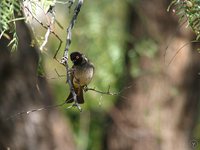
(63, 60)
(78, 106)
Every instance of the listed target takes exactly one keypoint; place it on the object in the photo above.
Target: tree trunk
(161, 108)
(22, 90)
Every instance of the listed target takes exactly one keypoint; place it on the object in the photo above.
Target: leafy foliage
(8, 8)
(189, 9)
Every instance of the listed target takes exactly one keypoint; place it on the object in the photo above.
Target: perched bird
(82, 72)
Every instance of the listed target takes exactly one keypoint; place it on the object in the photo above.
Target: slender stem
(65, 55)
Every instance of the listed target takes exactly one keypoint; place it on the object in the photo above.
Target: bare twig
(107, 92)
(194, 41)
(46, 38)
(40, 109)
(58, 75)
(34, 110)
(172, 38)
(101, 92)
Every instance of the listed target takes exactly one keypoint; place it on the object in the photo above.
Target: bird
(81, 73)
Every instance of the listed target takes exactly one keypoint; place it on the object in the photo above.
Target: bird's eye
(77, 57)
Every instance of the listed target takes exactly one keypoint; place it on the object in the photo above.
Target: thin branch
(65, 55)
(40, 109)
(59, 24)
(46, 38)
(58, 75)
(108, 91)
(195, 41)
(172, 38)
(51, 11)
(101, 92)
(34, 110)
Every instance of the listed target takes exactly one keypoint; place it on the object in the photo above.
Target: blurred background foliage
(100, 33)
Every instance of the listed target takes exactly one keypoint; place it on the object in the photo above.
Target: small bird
(82, 72)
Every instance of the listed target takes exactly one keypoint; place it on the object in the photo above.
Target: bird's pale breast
(83, 75)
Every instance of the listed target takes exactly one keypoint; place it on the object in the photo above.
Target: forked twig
(47, 27)
(107, 92)
(101, 92)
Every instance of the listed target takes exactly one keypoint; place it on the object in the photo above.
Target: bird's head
(77, 58)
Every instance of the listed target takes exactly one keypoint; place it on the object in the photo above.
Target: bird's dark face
(76, 58)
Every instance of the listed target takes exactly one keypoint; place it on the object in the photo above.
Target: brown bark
(160, 111)
(22, 90)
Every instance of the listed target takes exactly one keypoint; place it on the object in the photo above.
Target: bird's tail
(79, 94)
